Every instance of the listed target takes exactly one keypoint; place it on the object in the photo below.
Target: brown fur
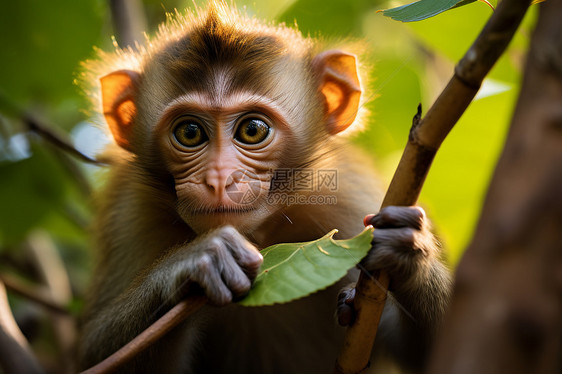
(217, 62)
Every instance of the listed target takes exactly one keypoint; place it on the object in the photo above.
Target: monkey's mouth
(222, 209)
(243, 218)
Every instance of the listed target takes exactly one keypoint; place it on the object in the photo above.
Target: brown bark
(506, 314)
(425, 139)
(146, 338)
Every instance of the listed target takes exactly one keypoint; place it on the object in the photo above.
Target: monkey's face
(222, 156)
(225, 109)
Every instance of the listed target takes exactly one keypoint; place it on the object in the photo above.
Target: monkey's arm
(222, 263)
(413, 316)
(420, 284)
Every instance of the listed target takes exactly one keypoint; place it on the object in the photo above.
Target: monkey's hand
(403, 246)
(420, 284)
(222, 263)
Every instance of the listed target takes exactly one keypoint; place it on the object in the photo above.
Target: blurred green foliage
(42, 46)
(43, 43)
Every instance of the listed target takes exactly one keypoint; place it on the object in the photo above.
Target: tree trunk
(506, 313)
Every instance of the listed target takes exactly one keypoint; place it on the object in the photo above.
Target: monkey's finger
(346, 314)
(397, 250)
(234, 276)
(397, 216)
(345, 311)
(244, 252)
(404, 239)
(347, 294)
(209, 278)
(250, 259)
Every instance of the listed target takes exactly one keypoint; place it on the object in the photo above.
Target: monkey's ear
(117, 93)
(339, 84)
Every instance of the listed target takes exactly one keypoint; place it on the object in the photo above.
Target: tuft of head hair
(189, 44)
(218, 22)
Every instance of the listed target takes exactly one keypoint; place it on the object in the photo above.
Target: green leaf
(294, 270)
(466, 2)
(422, 9)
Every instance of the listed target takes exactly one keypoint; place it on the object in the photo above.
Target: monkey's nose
(218, 182)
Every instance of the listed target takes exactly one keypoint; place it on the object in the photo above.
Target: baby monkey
(229, 135)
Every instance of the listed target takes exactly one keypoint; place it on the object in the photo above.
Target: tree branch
(39, 296)
(52, 136)
(56, 139)
(506, 313)
(15, 354)
(154, 332)
(424, 140)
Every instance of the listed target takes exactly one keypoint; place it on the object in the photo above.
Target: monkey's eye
(190, 133)
(252, 131)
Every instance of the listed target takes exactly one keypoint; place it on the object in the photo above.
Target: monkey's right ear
(117, 93)
(340, 86)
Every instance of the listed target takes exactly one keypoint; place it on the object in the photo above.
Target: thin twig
(153, 333)
(33, 294)
(41, 129)
(57, 139)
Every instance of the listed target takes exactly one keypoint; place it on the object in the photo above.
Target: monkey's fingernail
(350, 297)
(420, 210)
(367, 219)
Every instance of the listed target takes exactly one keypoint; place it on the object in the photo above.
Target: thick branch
(506, 314)
(424, 140)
